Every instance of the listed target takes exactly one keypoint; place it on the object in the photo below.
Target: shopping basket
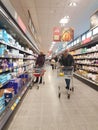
(39, 72)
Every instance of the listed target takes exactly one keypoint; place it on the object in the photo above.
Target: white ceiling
(46, 14)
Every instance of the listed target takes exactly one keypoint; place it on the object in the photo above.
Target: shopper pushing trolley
(66, 69)
(38, 71)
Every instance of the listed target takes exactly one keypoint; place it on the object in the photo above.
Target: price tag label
(14, 105)
(6, 69)
(19, 98)
(12, 108)
(0, 85)
(0, 71)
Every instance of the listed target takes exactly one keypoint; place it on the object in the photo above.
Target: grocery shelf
(15, 57)
(85, 53)
(89, 82)
(1, 85)
(9, 23)
(10, 57)
(8, 69)
(96, 65)
(24, 44)
(2, 42)
(94, 40)
(95, 58)
(13, 104)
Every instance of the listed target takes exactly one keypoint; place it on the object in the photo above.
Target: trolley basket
(66, 73)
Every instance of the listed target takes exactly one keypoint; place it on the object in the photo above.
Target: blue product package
(26, 75)
(2, 102)
(10, 65)
(2, 98)
(3, 35)
(23, 76)
(8, 97)
(3, 78)
(2, 51)
(8, 76)
(15, 84)
(2, 108)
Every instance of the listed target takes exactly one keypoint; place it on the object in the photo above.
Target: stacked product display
(17, 59)
(86, 61)
(86, 58)
(15, 66)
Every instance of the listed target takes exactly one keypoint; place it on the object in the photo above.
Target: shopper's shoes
(35, 82)
(40, 82)
(67, 87)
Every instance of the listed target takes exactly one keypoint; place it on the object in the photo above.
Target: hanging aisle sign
(67, 34)
(56, 34)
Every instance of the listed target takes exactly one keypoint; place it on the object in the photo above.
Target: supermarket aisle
(42, 110)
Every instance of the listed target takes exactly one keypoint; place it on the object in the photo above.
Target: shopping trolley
(66, 73)
(38, 72)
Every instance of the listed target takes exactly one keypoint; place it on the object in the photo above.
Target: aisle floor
(41, 109)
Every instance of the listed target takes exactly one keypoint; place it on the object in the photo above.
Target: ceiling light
(64, 20)
(72, 4)
(53, 42)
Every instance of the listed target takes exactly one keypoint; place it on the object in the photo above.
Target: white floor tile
(42, 109)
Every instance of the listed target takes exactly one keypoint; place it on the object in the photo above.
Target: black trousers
(37, 79)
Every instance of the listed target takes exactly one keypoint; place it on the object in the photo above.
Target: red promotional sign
(21, 24)
(56, 34)
(87, 40)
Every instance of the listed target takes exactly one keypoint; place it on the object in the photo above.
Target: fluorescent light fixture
(64, 20)
(72, 4)
(53, 43)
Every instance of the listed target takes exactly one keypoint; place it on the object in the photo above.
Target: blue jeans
(67, 83)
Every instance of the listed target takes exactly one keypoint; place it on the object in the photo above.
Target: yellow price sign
(0, 85)
(12, 108)
(19, 98)
(0, 71)
(6, 69)
(14, 105)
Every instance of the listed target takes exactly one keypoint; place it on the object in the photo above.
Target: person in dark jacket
(39, 64)
(66, 60)
(56, 60)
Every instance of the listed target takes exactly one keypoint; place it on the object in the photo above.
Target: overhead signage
(67, 34)
(87, 40)
(56, 34)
